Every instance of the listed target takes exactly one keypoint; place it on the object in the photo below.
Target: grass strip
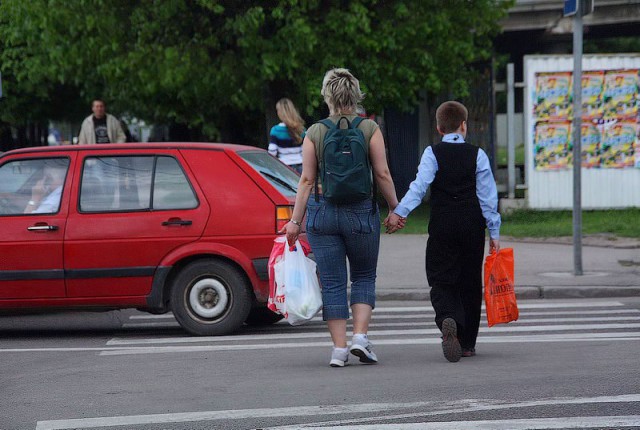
(536, 223)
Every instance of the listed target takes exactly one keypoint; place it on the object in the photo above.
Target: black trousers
(455, 251)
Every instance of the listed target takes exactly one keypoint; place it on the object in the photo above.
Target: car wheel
(210, 298)
(262, 316)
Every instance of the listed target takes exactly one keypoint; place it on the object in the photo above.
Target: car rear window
(123, 183)
(280, 176)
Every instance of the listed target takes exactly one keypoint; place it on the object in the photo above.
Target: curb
(524, 292)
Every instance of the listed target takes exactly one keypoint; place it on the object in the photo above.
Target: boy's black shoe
(468, 352)
(450, 344)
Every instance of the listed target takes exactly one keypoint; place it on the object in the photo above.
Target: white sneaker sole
(364, 355)
(336, 363)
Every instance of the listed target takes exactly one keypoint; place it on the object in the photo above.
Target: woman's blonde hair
(341, 92)
(288, 114)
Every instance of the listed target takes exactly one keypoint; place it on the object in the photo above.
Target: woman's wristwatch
(298, 223)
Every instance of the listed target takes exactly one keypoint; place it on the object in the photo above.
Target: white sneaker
(339, 356)
(361, 348)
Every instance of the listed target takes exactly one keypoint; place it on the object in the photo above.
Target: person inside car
(46, 193)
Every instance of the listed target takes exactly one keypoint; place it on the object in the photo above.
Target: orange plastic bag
(499, 294)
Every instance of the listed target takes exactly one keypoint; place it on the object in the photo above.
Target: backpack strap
(356, 122)
(329, 124)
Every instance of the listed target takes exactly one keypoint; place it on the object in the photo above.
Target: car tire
(262, 316)
(210, 298)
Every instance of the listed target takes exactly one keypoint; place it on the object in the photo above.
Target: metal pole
(577, 156)
(511, 144)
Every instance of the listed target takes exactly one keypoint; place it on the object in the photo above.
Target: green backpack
(345, 170)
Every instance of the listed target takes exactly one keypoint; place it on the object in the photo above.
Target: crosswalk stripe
(427, 322)
(429, 314)
(509, 424)
(381, 341)
(580, 337)
(377, 410)
(521, 305)
(472, 406)
(127, 350)
(372, 333)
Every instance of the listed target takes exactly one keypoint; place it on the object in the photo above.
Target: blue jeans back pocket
(361, 220)
(315, 215)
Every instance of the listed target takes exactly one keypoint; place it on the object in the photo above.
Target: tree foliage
(217, 65)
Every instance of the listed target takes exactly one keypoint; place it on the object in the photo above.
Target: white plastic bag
(297, 287)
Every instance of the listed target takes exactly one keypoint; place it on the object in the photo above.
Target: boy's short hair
(450, 115)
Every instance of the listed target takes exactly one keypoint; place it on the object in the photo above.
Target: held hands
(394, 222)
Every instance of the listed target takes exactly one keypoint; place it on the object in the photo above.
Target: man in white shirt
(47, 192)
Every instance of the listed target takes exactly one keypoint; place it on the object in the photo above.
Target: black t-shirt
(100, 127)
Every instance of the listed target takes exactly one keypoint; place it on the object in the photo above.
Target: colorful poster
(551, 145)
(637, 146)
(590, 144)
(592, 94)
(553, 99)
(620, 94)
(618, 145)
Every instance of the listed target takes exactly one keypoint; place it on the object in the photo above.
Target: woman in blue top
(285, 138)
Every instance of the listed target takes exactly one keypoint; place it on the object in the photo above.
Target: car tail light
(283, 215)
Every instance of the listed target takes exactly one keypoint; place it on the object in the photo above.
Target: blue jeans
(337, 233)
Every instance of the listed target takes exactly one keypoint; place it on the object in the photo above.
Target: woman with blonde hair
(341, 231)
(285, 138)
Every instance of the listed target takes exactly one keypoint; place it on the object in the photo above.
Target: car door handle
(176, 221)
(45, 227)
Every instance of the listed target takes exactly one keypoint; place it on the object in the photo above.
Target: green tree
(219, 66)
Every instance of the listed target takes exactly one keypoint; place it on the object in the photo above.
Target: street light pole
(577, 152)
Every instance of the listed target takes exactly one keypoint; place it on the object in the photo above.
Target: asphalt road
(564, 364)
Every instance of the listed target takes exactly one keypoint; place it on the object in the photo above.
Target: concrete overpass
(537, 26)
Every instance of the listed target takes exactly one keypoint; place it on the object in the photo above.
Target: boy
(464, 201)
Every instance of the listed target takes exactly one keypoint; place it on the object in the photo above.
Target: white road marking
(521, 305)
(168, 324)
(575, 337)
(152, 317)
(423, 323)
(584, 337)
(223, 415)
(428, 312)
(471, 406)
(435, 408)
(512, 424)
(373, 333)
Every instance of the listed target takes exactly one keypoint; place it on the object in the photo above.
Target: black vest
(454, 185)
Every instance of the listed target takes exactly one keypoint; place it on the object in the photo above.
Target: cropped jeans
(337, 233)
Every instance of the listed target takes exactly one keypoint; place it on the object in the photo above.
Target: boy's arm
(418, 188)
(487, 195)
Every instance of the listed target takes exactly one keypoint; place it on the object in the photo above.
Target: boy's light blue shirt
(485, 186)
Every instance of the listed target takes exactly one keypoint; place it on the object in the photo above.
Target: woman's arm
(307, 180)
(381, 173)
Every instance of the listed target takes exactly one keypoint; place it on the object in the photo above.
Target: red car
(182, 227)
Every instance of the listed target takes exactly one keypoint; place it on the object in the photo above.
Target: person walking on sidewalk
(100, 127)
(285, 138)
(341, 231)
(464, 201)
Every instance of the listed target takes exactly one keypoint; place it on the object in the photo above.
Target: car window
(32, 186)
(123, 184)
(116, 184)
(280, 176)
(171, 188)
